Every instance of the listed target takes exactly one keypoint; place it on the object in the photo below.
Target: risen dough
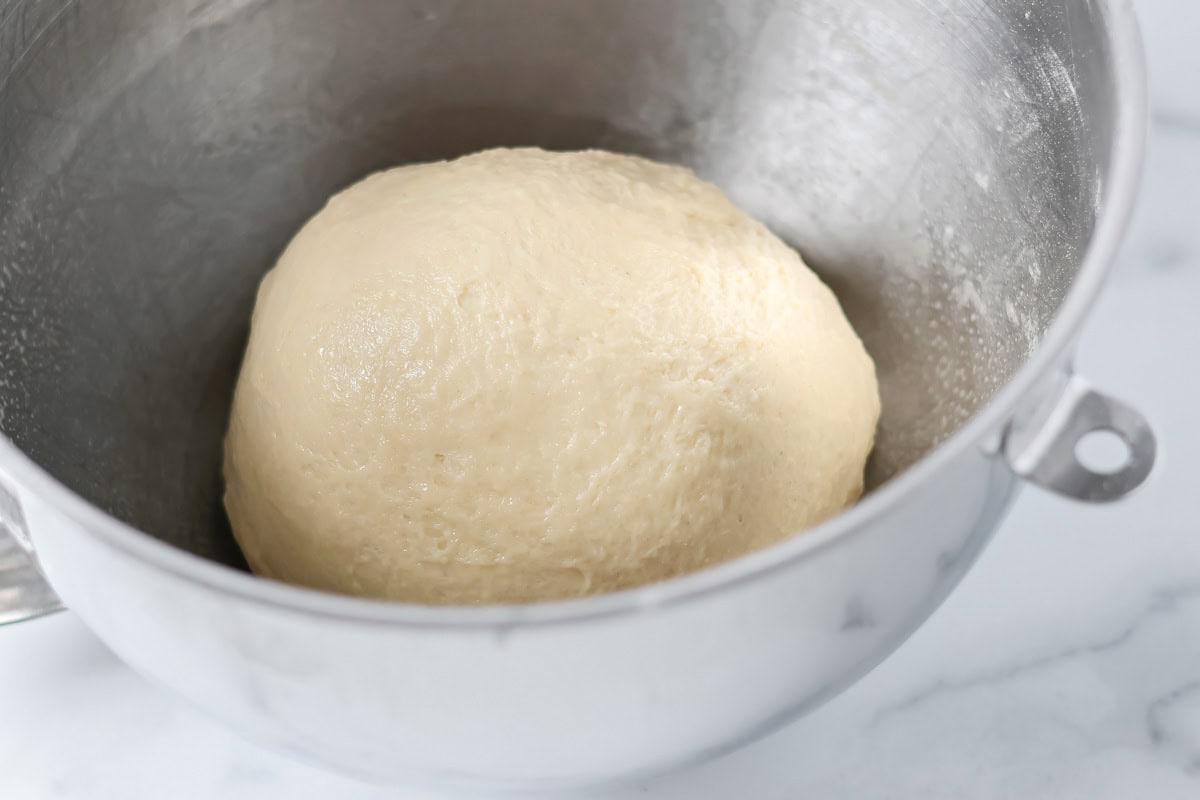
(525, 375)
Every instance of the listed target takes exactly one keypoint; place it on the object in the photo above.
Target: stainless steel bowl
(959, 170)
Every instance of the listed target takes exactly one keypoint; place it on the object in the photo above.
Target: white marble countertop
(1067, 665)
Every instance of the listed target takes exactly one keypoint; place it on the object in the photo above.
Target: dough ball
(523, 376)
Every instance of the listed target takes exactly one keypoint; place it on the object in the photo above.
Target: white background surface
(1066, 666)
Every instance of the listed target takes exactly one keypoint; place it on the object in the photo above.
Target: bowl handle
(24, 593)
(1041, 446)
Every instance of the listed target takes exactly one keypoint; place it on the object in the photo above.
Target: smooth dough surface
(525, 375)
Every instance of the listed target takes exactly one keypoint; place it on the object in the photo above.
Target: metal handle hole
(1103, 451)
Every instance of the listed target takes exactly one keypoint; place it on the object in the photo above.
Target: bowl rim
(1127, 150)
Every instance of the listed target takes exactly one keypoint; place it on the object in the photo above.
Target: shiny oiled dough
(525, 375)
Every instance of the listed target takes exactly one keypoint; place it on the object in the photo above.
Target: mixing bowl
(960, 171)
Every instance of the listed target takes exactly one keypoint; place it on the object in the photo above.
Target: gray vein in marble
(1176, 121)
(1159, 730)
(1169, 255)
(1164, 601)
